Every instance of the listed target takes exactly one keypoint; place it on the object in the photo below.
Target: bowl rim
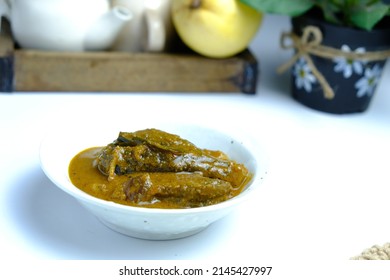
(250, 146)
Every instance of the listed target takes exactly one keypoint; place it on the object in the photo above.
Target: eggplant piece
(157, 139)
(183, 190)
(119, 160)
(153, 150)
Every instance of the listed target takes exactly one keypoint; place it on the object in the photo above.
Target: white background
(326, 197)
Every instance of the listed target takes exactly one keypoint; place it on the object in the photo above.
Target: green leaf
(331, 9)
(363, 14)
(367, 17)
(284, 7)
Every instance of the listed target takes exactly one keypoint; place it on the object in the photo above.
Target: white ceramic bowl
(59, 147)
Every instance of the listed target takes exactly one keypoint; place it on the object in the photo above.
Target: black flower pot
(353, 81)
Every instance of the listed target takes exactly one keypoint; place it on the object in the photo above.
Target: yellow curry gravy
(86, 176)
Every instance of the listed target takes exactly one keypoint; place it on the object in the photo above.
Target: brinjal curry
(153, 168)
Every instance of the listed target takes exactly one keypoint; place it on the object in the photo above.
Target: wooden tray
(32, 70)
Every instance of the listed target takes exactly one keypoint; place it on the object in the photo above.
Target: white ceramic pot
(64, 25)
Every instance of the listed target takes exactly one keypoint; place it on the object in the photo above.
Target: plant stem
(195, 4)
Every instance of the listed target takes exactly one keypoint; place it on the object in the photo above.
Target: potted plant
(341, 47)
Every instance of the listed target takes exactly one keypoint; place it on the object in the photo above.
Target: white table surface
(326, 196)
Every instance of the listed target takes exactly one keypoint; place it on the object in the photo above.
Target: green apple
(215, 28)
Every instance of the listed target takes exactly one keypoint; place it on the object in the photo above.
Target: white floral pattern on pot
(366, 84)
(349, 66)
(304, 77)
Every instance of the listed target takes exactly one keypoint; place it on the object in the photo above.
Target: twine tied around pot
(310, 44)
